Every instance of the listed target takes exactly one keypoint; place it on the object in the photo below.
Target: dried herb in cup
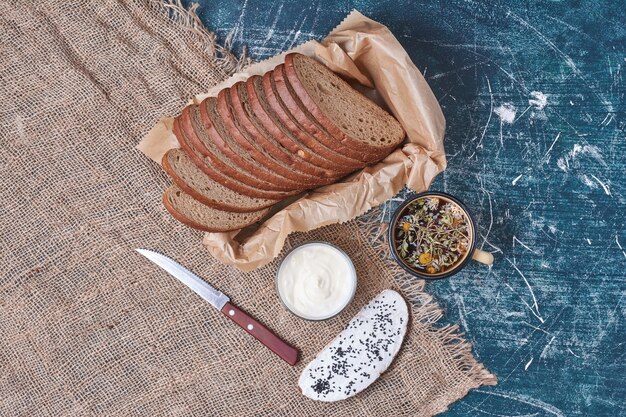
(432, 235)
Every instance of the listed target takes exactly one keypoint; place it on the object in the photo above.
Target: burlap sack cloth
(90, 328)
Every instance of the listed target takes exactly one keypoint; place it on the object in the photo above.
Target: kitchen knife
(221, 302)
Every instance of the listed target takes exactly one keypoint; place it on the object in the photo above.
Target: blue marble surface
(533, 94)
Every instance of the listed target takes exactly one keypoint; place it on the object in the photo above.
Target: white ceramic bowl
(352, 278)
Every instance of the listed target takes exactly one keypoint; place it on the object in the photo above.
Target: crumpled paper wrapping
(363, 51)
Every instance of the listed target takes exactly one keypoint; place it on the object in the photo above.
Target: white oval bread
(360, 353)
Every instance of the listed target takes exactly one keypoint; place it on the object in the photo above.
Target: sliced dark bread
(191, 212)
(247, 120)
(349, 116)
(201, 135)
(190, 179)
(272, 130)
(225, 108)
(208, 165)
(278, 90)
(229, 146)
(267, 115)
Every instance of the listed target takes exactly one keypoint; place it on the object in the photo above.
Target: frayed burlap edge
(188, 19)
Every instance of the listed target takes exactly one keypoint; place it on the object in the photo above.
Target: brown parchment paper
(364, 51)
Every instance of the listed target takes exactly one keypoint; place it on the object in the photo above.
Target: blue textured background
(547, 188)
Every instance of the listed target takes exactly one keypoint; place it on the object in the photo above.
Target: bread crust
(188, 222)
(306, 145)
(311, 105)
(224, 106)
(217, 160)
(208, 168)
(214, 203)
(279, 79)
(271, 145)
(249, 165)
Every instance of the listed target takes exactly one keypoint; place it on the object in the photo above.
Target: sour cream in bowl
(316, 281)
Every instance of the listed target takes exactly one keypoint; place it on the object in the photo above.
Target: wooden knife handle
(286, 352)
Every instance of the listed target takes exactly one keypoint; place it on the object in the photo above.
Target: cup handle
(483, 257)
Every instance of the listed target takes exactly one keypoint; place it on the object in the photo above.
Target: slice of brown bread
(190, 179)
(257, 115)
(225, 108)
(275, 84)
(345, 113)
(242, 111)
(191, 212)
(267, 115)
(231, 148)
(200, 135)
(208, 166)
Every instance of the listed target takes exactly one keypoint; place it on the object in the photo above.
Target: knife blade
(222, 303)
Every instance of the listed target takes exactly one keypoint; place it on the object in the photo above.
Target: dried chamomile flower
(432, 203)
(425, 258)
(454, 210)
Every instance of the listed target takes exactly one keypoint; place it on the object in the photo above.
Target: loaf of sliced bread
(268, 138)
(346, 114)
(194, 214)
(211, 167)
(190, 179)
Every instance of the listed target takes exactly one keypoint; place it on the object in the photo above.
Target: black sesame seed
(321, 386)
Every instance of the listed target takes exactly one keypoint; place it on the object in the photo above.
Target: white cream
(316, 281)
